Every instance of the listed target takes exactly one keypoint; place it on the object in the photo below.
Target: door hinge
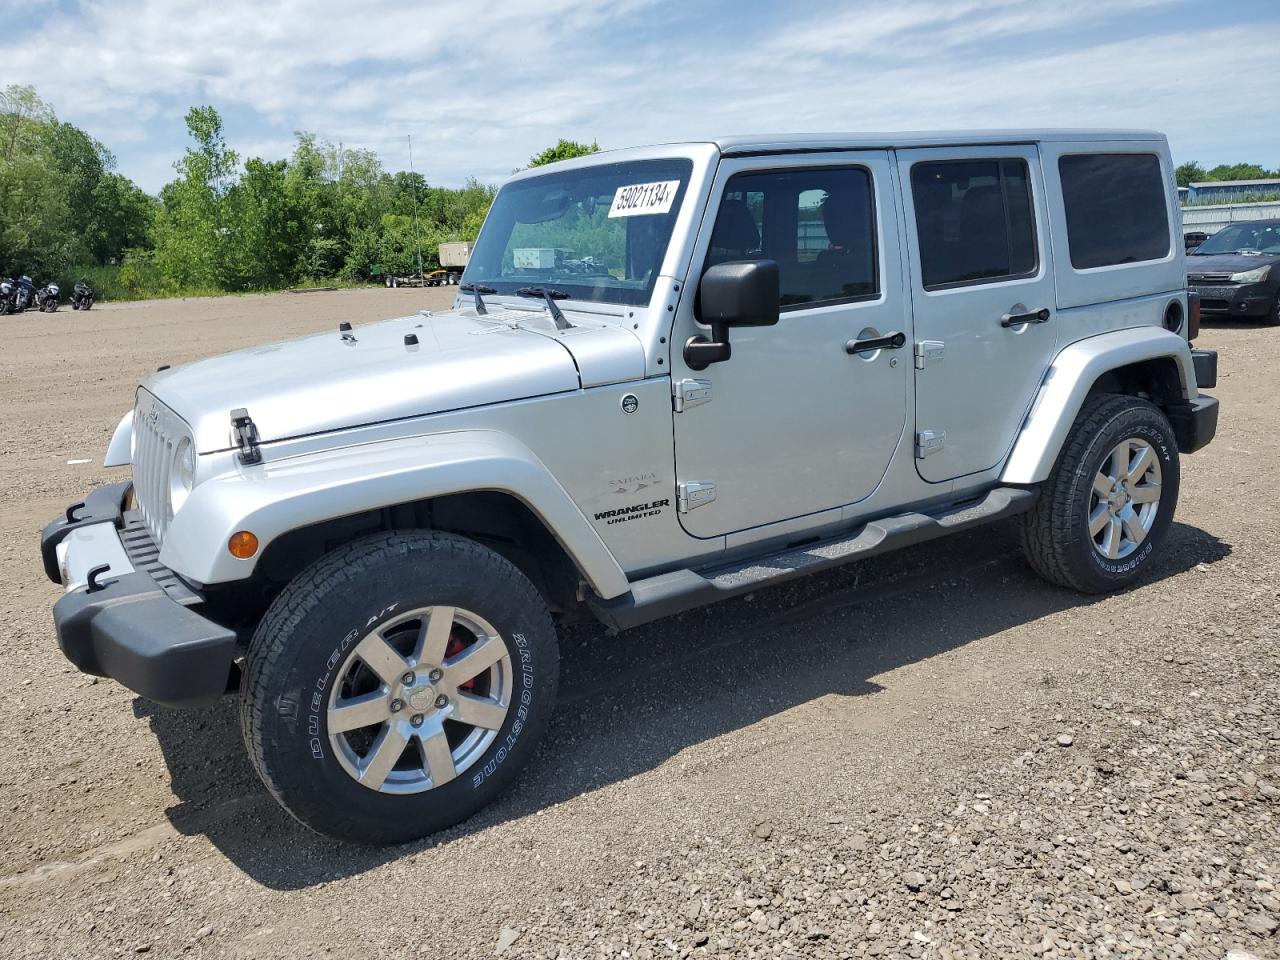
(929, 442)
(690, 496)
(689, 393)
(928, 350)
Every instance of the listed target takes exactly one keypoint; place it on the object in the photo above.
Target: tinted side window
(819, 225)
(1116, 211)
(974, 220)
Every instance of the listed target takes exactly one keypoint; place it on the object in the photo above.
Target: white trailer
(454, 256)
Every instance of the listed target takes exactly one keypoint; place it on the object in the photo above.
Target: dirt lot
(929, 755)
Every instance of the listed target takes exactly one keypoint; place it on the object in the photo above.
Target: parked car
(1236, 272)
(370, 535)
(1193, 238)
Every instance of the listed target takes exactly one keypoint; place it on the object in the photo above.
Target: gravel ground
(931, 754)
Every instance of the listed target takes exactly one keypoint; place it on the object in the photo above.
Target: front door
(983, 298)
(793, 424)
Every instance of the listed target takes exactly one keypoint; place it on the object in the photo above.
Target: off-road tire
(1055, 535)
(291, 667)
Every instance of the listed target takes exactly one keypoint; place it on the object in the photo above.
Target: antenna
(414, 181)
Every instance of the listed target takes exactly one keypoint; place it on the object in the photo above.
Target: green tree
(37, 233)
(1189, 173)
(109, 213)
(122, 219)
(1239, 171)
(563, 150)
(192, 236)
(23, 117)
(262, 229)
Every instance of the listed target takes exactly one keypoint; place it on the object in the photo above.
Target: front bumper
(1233, 300)
(124, 616)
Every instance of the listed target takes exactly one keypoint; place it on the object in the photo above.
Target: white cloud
(483, 85)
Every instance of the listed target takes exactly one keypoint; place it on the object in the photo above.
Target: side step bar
(679, 590)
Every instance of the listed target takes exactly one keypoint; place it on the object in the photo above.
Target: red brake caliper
(455, 647)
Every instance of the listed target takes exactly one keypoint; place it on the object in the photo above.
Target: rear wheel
(398, 685)
(1106, 508)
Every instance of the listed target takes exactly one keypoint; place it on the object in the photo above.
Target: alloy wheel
(1125, 499)
(420, 699)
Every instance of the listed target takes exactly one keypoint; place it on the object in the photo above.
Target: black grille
(1209, 278)
(145, 555)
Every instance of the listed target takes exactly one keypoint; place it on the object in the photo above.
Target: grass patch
(1232, 199)
(132, 281)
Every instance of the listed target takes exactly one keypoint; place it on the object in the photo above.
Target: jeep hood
(329, 382)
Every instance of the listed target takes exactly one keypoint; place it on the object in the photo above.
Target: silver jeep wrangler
(671, 375)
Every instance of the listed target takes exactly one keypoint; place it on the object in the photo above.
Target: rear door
(983, 300)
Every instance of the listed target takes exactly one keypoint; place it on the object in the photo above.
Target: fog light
(242, 545)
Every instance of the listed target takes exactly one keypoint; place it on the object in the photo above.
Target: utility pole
(417, 239)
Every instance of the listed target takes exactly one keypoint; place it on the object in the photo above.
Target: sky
(482, 85)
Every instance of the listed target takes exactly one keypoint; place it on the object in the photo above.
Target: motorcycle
(81, 296)
(22, 295)
(6, 296)
(47, 298)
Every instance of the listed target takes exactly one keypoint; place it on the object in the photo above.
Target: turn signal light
(242, 545)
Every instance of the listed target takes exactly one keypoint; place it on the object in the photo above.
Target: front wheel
(1105, 510)
(1272, 319)
(398, 685)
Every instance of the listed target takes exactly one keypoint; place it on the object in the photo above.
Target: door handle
(890, 341)
(1018, 319)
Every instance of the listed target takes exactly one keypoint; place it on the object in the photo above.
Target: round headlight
(182, 474)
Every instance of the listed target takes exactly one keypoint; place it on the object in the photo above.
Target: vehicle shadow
(661, 688)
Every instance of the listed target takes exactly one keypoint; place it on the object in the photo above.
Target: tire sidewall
(1139, 422)
(309, 780)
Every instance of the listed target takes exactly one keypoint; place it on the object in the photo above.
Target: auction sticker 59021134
(641, 199)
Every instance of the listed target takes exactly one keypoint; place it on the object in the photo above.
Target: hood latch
(245, 435)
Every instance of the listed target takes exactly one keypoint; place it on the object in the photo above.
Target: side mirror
(743, 293)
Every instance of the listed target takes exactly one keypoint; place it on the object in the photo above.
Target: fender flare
(1067, 383)
(277, 496)
(120, 449)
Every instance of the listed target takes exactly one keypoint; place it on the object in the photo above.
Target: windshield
(597, 233)
(1261, 237)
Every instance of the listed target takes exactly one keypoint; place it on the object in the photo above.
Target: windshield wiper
(477, 289)
(550, 296)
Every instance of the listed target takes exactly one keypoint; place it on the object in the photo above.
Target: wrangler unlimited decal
(636, 512)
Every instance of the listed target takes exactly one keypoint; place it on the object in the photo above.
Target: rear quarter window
(1116, 208)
